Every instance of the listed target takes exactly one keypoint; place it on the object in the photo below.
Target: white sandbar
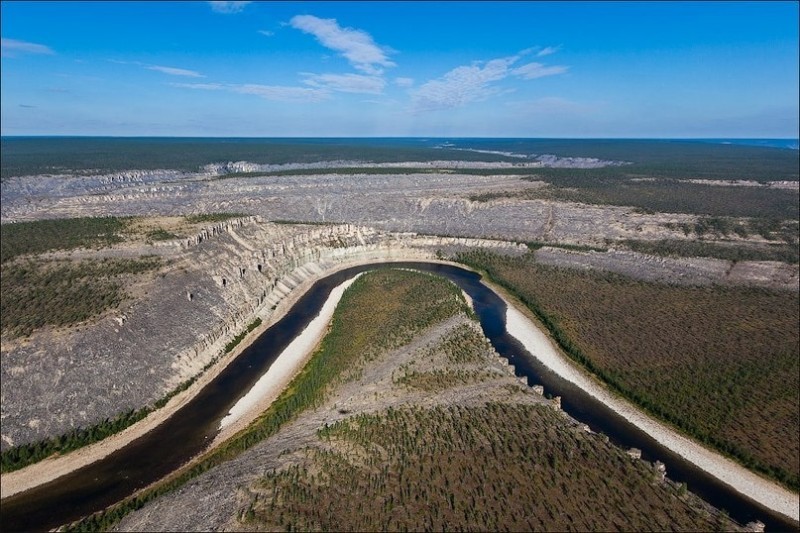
(745, 482)
(290, 359)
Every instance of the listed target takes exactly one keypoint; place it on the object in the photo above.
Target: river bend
(194, 426)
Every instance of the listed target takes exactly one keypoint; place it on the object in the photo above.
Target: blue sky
(516, 69)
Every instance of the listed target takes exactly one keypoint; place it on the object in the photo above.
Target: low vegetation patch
(160, 234)
(663, 196)
(63, 293)
(23, 455)
(536, 245)
(60, 234)
(464, 346)
(786, 253)
(679, 197)
(439, 379)
(769, 228)
(238, 338)
(212, 217)
(721, 363)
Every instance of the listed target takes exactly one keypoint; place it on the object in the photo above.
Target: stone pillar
(661, 470)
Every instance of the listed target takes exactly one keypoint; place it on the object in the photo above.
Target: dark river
(187, 433)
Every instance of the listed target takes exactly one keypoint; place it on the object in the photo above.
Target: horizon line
(96, 136)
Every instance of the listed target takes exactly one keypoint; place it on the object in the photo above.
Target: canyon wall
(215, 283)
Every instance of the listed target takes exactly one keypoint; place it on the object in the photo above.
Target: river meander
(195, 425)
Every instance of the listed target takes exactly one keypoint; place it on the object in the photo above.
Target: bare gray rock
(235, 271)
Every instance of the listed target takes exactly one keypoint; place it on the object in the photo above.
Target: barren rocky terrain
(131, 357)
(216, 278)
(237, 270)
(432, 202)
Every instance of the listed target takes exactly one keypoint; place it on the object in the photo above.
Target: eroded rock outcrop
(216, 283)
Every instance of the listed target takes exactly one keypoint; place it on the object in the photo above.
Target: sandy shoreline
(745, 482)
(288, 364)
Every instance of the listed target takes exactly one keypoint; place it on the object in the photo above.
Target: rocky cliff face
(218, 281)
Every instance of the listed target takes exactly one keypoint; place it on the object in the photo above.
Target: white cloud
(472, 83)
(13, 47)
(461, 85)
(404, 82)
(203, 86)
(547, 50)
(282, 93)
(172, 71)
(355, 45)
(266, 32)
(532, 71)
(278, 93)
(348, 83)
(227, 7)
(388, 103)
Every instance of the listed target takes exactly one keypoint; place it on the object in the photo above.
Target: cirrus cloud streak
(348, 83)
(276, 93)
(531, 71)
(357, 46)
(13, 47)
(476, 82)
(172, 71)
(227, 8)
